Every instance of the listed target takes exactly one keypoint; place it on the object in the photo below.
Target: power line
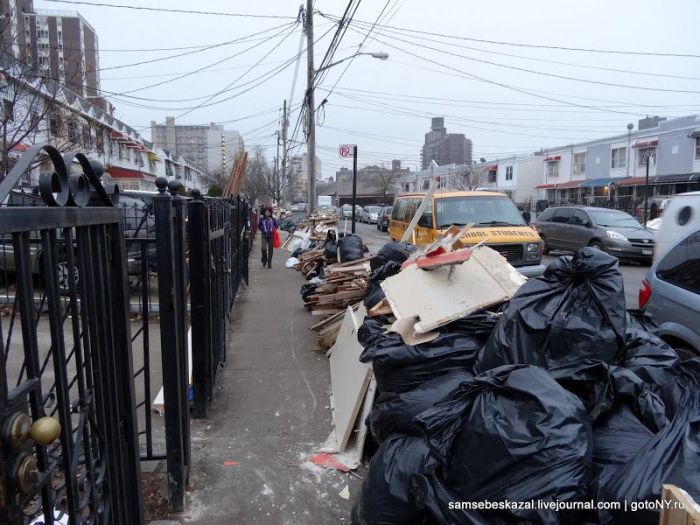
(544, 73)
(194, 72)
(537, 59)
(199, 50)
(530, 45)
(170, 10)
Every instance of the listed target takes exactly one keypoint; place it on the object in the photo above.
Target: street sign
(346, 150)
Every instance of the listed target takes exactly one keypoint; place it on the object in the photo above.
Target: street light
(311, 108)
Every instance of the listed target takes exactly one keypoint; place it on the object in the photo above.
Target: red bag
(276, 239)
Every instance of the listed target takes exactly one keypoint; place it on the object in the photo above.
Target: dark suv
(616, 232)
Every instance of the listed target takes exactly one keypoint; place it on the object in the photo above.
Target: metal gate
(68, 431)
(219, 249)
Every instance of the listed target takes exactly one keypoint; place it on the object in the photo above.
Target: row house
(661, 157)
(36, 111)
(516, 176)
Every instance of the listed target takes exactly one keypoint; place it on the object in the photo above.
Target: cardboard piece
(447, 293)
(349, 377)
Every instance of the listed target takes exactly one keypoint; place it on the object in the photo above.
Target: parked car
(670, 292)
(370, 214)
(138, 224)
(616, 232)
(384, 219)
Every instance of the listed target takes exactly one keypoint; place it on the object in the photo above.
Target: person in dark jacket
(267, 225)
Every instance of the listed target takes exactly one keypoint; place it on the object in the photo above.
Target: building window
(492, 176)
(120, 151)
(552, 169)
(151, 166)
(697, 149)
(509, 172)
(73, 131)
(619, 158)
(647, 153)
(579, 163)
(9, 110)
(87, 137)
(55, 125)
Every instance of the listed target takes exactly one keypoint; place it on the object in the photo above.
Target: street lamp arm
(380, 55)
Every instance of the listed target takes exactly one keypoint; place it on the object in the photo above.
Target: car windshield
(486, 210)
(373, 209)
(615, 219)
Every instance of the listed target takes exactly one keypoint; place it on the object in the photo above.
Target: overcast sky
(385, 106)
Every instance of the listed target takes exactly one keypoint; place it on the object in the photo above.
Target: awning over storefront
(553, 158)
(645, 144)
(631, 181)
(493, 169)
(597, 183)
(569, 185)
(545, 187)
(123, 173)
(676, 179)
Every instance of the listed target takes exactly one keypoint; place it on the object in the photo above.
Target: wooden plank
(349, 377)
(682, 510)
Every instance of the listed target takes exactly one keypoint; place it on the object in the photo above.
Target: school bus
(496, 221)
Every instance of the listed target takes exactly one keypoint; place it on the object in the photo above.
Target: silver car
(370, 214)
(670, 292)
(616, 232)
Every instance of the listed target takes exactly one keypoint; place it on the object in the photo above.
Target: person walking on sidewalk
(267, 226)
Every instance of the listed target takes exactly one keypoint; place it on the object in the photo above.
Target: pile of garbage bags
(558, 396)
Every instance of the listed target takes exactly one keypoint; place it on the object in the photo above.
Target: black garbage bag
(641, 320)
(392, 251)
(330, 250)
(372, 329)
(318, 271)
(374, 293)
(513, 434)
(444, 506)
(574, 312)
(671, 456)
(350, 248)
(385, 498)
(649, 357)
(618, 437)
(602, 387)
(307, 289)
(394, 413)
(399, 367)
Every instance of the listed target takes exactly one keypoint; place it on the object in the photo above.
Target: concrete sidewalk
(271, 413)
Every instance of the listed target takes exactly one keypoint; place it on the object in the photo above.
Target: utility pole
(285, 123)
(354, 184)
(277, 181)
(310, 105)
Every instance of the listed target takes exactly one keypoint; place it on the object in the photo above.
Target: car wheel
(545, 249)
(595, 243)
(63, 277)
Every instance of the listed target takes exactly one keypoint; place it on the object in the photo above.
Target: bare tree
(215, 181)
(387, 179)
(471, 176)
(262, 180)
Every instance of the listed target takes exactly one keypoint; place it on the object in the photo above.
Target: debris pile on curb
(545, 390)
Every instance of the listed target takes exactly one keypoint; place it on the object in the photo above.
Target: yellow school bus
(496, 221)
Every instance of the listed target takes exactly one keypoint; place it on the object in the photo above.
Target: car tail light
(644, 293)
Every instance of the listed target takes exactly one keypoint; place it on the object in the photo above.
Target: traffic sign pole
(354, 185)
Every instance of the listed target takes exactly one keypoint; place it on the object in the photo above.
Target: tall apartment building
(443, 147)
(298, 182)
(60, 45)
(209, 147)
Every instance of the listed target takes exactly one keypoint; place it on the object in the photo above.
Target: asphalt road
(632, 273)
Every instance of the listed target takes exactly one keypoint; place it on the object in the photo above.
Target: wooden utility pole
(285, 123)
(310, 105)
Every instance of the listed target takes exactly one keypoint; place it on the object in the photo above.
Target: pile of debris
(494, 388)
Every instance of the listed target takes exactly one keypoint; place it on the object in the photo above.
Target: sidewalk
(271, 413)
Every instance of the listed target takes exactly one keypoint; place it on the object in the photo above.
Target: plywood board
(352, 456)
(445, 294)
(682, 509)
(349, 377)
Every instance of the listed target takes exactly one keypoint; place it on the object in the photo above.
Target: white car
(370, 214)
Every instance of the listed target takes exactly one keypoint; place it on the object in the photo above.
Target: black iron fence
(103, 307)
(219, 249)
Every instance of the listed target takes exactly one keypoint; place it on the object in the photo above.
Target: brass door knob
(45, 430)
